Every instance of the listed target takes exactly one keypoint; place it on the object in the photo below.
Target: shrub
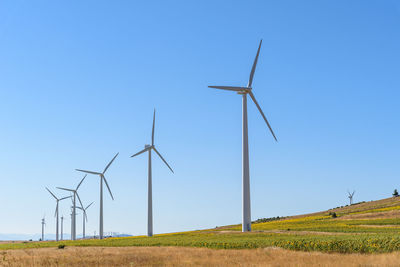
(61, 246)
(395, 193)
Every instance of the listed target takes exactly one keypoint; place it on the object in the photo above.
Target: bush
(61, 246)
(395, 193)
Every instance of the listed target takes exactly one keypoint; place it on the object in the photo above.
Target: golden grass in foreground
(179, 256)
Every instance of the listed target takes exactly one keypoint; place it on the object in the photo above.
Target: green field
(365, 227)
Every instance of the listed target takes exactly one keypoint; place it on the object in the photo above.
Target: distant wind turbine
(350, 196)
(56, 212)
(75, 194)
(102, 178)
(244, 91)
(84, 217)
(149, 188)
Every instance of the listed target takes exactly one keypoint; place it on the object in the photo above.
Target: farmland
(369, 227)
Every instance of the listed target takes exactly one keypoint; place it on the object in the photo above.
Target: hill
(365, 227)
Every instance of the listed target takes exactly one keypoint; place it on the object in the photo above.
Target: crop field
(369, 227)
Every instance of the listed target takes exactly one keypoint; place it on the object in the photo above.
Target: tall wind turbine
(244, 91)
(43, 224)
(56, 212)
(350, 196)
(84, 217)
(75, 194)
(149, 186)
(102, 178)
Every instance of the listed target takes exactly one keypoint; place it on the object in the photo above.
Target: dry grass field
(363, 234)
(183, 256)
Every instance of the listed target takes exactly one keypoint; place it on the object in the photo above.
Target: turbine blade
(88, 206)
(140, 152)
(262, 114)
(79, 198)
(66, 189)
(96, 173)
(108, 187)
(81, 182)
(79, 208)
(253, 69)
(108, 165)
(55, 212)
(152, 132)
(52, 193)
(86, 217)
(158, 153)
(64, 198)
(230, 88)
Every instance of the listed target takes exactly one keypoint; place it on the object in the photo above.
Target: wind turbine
(84, 217)
(149, 188)
(43, 224)
(75, 192)
(244, 91)
(56, 212)
(350, 196)
(102, 178)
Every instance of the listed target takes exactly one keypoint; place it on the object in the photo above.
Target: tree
(395, 193)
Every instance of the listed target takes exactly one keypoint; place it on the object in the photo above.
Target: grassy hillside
(364, 227)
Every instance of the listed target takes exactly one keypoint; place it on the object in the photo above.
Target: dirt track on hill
(178, 256)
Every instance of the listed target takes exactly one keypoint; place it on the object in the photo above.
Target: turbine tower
(62, 223)
(102, 178)
(350, 196)
(72, 225)
(43, 224)
(73, 219)
(84, 217)
(56, 212)
(149, 185)
(244, 91)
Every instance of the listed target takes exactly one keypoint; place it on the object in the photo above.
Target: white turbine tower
(75, 194)
(149, 188)
(102, 178)
(56, 212)
(62, 225)
(43, 224)
(84, 217)
(72, 224)
(244, 91)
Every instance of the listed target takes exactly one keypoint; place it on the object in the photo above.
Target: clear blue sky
(79, 81)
